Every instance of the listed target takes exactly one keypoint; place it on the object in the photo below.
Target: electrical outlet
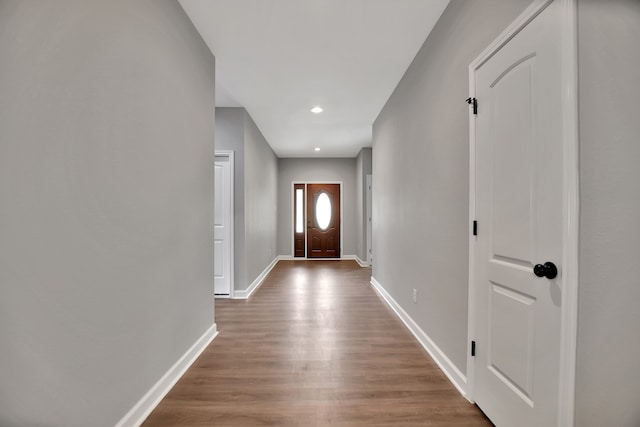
(415, 296)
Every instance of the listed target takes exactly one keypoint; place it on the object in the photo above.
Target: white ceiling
(279, 58)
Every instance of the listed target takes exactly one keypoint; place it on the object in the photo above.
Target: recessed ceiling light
(317, 109)
(317, 149)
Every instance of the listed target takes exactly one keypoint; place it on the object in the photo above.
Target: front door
(518, 137)
(323, 220)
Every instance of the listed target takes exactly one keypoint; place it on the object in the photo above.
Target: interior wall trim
(457, 378)
(571, 213)
(246, 293)
(141, 410)
(357, 259)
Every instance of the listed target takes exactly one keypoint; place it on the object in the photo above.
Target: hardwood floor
(314, 346)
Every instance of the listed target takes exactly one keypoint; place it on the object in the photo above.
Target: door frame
(293, 219)
(570, 195)
(368, 194)
(230, 154)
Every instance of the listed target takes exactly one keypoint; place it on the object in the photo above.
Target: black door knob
(548, 270)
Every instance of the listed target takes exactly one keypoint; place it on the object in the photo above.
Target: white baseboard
(457, 378)
(357, 259)
(344, 257)
(246, 293)
(141, 410)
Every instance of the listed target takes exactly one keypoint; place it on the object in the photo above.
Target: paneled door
(323, 220)
(518, 250)
(369, 214)
(223, 226)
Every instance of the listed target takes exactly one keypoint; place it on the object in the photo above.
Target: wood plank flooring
(314, 346)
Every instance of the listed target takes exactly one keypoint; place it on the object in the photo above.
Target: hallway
(314, 346)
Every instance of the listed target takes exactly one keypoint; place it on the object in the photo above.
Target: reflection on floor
(314, 346)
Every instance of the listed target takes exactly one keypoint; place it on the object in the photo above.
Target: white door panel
(519, 213)
(510, 344)
(511, 116)
(223, 229)
(369, 216)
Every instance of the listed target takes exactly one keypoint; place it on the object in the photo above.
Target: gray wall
(261, 196)
(608, 378)
(230, 136)
(256, 193)
(319, 170)
(106, 204)
(363, 168)
(421, 173)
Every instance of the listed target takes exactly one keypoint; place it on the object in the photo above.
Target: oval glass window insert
(323, 211)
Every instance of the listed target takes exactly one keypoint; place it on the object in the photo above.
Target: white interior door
(519, 211)
(369, 194)
(223, 226)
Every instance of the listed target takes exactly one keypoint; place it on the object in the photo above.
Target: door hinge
(473, 102)
(475, 228)
(473, 348)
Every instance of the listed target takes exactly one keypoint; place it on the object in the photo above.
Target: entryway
(317, 220)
